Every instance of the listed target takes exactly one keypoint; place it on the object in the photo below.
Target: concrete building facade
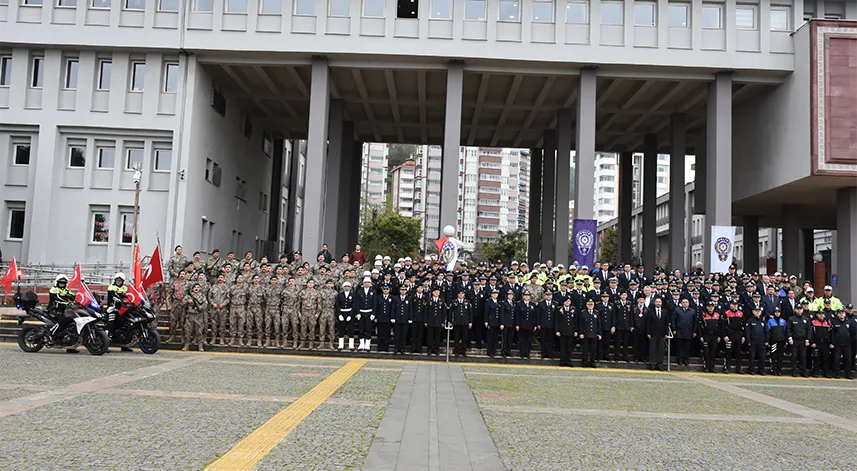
(490, 193)
(402, 186)
(374, 176)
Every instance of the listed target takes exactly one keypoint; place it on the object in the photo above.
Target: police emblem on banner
(723, 246)
(584, 240)
(447, 251)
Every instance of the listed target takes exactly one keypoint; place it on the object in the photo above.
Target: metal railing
(38, 275)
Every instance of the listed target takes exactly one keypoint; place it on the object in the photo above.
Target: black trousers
(656, 351)
(548, 337)
(682, 347)
(345, 328)
(365, 325)
(799, 356)
(590, 350)
(434, 335)
(734, 352)
(709, 352)
(757, 358)
(383, 336)
(507, 335)
(460, 335)
(845, 355)
(566, 345)
(477, 333)
(417, 329)
(822, 358)
(401, 335)
(525, 337)
(777, 350)
(620, 343)
(641, 347)
(493, 333)
(604, 345)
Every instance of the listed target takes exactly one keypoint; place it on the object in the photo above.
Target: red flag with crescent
(76, 278)
(154, 272)
(10, 276)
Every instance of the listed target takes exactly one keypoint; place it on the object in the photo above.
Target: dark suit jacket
(657, 327)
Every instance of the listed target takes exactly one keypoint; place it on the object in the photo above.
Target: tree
(508, 246)
(399, 153)
(609, 250)
(389, 233)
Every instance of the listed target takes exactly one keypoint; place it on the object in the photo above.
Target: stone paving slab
(8, 394)
(779, 380)
(138, 433)
(616, 394)
(837, 402)
(535, 442)
(581, 373)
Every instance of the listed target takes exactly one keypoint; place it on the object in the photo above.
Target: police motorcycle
(65, 327)
(134, 324)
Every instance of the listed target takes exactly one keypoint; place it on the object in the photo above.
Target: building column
(700, 175)
(626, 188)
(678, 149)
(650, 203)
(295, 192)
(534, 224)
(807, 263)
(791, 241)
(688, 233)
(563, 183)
(846, 244)
(356, 193)
(316, 158)
(718, 161)
(548, 195)
(584, 170)
(332, 183)
(276, 200)
(451, 146)
(750, 261)
(345, 192)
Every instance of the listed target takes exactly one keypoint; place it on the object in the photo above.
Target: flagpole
(163, 279)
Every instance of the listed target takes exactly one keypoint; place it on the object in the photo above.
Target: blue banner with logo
(583, 241)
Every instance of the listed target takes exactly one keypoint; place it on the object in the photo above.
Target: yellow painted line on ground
(249, 451)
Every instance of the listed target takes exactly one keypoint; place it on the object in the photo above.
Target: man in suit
(657, 325)
(769, 303)
(626, 276)
(787, 306)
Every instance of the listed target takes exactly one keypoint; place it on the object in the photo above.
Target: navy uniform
(491, 314)
(565, 326)
(797, 333)
(402, 318)
(589, 328)
(418, 313)
(607, 313)
(776, 326)
(508, 310)
(461, 312)
(641, 347)
(384, 317)
(843, 335)
(345, 312)
(547, 327)
(366, 295)
(757, 336)
(734, 336)
(526, 320)
(435, 320)
(710, 331)
(819, 340)
(624, 321)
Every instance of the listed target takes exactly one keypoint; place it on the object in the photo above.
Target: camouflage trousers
(272, 323)
(255, 322)
(237, 319)
(290, 324)
(177, 318)
(217, 320)
(308, 324)
(194, 328)
(326, 324)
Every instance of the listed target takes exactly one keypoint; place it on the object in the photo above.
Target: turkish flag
(10, 276)
(85, 297)
(133, 296)
(138, 271)
(154, 272)
(76, 278)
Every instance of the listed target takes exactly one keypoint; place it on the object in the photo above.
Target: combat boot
(231, 342)
(201, 349)
(267, 343)
(185, 348)
(170, 339)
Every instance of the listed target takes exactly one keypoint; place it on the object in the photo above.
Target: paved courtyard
(195, 411)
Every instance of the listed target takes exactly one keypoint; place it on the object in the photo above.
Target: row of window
(105, 155)
(99, 223)
(139, 5)
(104, 67)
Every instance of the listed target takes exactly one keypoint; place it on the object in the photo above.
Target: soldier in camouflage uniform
(310, 309)
(536, 291)
(290, 302)
(327, 319)
(255, 300)
(214, 266)
(198, 264)
(194, 325)
(229, 274)
(202, 280)
(178, 291)
(247, 271)
(300, 277)
(218, 297)
(177, 263)
(272, 312)
(237, 310)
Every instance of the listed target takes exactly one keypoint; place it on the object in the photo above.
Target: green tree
(399, 153)
(389, 233)
(608, 247)
(508, 246)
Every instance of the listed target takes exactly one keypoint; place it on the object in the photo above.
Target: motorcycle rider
(115, 295)
(59, 297)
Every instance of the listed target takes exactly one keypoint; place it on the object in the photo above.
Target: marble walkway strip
(229, 397)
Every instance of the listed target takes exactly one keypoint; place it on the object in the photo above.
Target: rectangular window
(373, 8)
(163, 160)
(106, 156)
(236, 6)
(745, 17)
(205, 6)
(780, 19)
(5, 71)
(612, 14)
(138, 76)
(305, 7)
(104, 68)
(339, 8)
(22, 154)
(36, 3)
(127, 221)
(38, 72)
(271, 7)
(134, 159)
(71, 66)
(101, 4)
(67, 3)
(100, 227)
(77, 156)
(677, 13)
(510, 10)
(474, 10)
(644, 14)
(263, 202)
(543, 11)
(712, 17)
(135, 4)
(171, 77)
(17, 215)
(168, 5)
(218, 100)
(407, 9)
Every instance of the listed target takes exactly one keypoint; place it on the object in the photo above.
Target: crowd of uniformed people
(610, 313)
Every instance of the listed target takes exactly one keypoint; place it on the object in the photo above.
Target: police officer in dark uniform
(756, 335)
(566, 329)
(420, 300)
(607, 313)
(402, 318)
(734, 336)
(797, 333)
(819, 341)
(843, 335)
(383, 317)
(366, 299)
(526, 320)
(491, 314)
(777, 341)
(435, 320)
(462, 321)
(710, 331)
(346, 316)
(508, 310)
(589, 329)
(547, 320)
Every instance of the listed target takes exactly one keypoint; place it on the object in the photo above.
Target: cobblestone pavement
(57, 368)
(837, 402)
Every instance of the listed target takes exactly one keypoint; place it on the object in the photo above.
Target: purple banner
(583, 241)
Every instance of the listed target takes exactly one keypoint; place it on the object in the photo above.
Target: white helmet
(119, 275)
(61, 278)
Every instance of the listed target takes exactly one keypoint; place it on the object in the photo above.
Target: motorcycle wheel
(26, 341)
(96, 341)
(152, 342)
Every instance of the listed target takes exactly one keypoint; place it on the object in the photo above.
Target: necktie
(658, 310)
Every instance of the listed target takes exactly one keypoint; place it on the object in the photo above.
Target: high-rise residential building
(402, 188)
(374, 177)
(490, 187)
(427, 191)
(606, 186)
(524, 189)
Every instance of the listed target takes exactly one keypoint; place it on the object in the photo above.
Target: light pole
(137, 176)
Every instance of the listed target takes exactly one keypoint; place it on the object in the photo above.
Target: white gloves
(341, 318)
(393, 321)
(410, 322)
(372, 317)
(348, 319)
(358, 317)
